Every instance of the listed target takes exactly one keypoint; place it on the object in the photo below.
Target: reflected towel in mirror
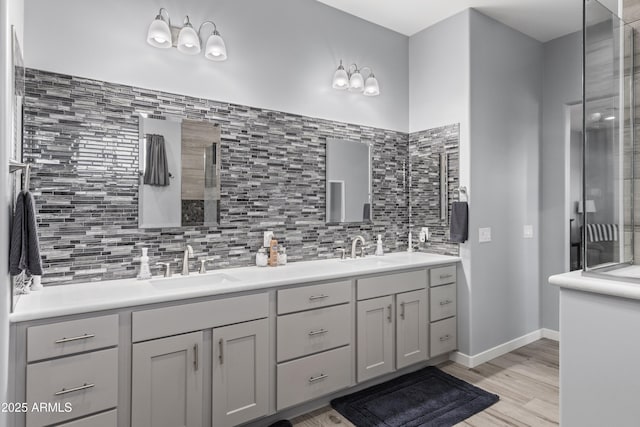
(156, 168)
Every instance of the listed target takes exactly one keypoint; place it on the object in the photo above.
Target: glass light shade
(215, 49)
(340, 79)
(159, 34)
(371, 87)
(356, 82)
(188, 40)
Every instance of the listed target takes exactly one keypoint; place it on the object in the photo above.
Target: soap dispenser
(379, 249)
(145, 272)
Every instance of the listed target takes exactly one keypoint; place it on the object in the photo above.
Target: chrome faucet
(354, 243)
(188, 253)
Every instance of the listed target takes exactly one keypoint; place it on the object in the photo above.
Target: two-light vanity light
(353, 80)
(162, 35)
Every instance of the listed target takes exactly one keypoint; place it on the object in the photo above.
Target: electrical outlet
(424, 234)
(528, 232)
(266, 241)
(484, 235)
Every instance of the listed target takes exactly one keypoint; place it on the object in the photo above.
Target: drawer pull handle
(445, 302)
(445, 338)
(318, 378)
(317, 297)
(71, 390)
(196, 363)
(389, 316)
(446, 276)
(221, 346)
(402, 310)
(81, 337)
(318, 332)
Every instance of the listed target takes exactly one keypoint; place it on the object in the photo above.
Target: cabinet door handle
(390, 312)
(318, 332)
(402, 310)
(196, 363)
(445, 302)
(446, 276)
(317, 297)
(318, 378)
(445, 338)
(71, 390)
(81, 337)
(221, 346)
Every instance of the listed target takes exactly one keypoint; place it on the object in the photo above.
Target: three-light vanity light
(163, 36)
(352, 80)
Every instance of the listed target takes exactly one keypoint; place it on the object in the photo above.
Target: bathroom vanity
(231, 346)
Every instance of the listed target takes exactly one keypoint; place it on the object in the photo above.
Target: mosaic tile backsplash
(82, 137)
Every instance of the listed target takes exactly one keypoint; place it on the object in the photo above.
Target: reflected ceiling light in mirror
(352, 79)
(187, 39)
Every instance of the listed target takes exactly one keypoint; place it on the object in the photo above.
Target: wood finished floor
(525, 379)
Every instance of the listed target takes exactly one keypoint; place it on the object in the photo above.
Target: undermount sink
(374, 261)
(193, 281)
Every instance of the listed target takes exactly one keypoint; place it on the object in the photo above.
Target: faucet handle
(363, 250)
(343, 252)
(203, 266)
(167, 266)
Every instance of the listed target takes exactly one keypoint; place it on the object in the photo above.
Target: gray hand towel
(24, 252)
(156, 168)
(17, 226)
(459, 222)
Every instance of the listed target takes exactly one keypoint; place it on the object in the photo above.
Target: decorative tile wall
(425, 148)
(82, 137)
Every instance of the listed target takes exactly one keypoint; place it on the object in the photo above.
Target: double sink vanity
(228, 347)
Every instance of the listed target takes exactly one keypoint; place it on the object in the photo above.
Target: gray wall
(439, 82)
(11, 13)
(282, 54)
(506, 97)
(562, 77)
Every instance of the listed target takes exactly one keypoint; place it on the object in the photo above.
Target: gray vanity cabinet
(240, 372)
(167, 379)
(375, 337)
(411, 328)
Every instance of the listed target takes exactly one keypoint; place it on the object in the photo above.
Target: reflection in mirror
(349, 193)
(180, 172)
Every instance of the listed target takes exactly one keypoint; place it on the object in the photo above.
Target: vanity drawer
(443, 336)
(373, 287)
(75, 336)
(314, 296)
(313, 331)
(105, 419)
(183, 318)
(88, 382)
(442, 275)
(313, 376)
(442, 302)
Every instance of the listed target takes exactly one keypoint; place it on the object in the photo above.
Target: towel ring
(462, 194)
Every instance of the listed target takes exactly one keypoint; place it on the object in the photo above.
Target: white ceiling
(543, 20)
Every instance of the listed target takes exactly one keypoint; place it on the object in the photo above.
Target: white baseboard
(550, 334)
(499, 350)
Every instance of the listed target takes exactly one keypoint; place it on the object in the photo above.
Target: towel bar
(15, 166)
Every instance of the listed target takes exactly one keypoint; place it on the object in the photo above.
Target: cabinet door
(375, 337)
(411, 328)
(167, 382)
(240, 372)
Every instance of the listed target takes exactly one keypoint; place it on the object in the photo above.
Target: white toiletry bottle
(410, 248)
(145, 272)
(379, 250)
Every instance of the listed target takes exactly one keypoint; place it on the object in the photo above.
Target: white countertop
(78, 298)
(606, 286)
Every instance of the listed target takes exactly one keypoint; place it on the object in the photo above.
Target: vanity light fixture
(353, 80)
(162, 35)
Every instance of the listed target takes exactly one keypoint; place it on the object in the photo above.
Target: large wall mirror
(349, 192)
(179, 172)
